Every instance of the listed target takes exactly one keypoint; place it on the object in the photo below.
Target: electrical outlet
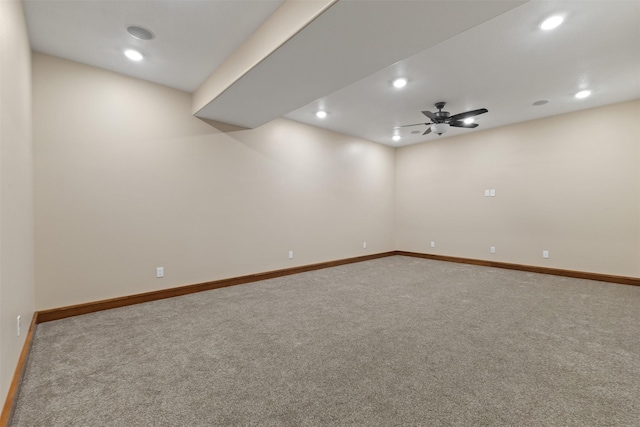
(433, 244)
(160, 272)
(492, 192)
(492, 249)
(18, 326)
(487, 193)
(364, 245)
(290, 254)
(545, 254)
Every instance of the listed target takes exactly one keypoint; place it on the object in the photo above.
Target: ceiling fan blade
(430, 115)
(463, 125)
(462, 116)
(428, 131)
(416, 124)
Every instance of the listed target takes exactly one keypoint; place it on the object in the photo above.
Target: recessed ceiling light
(321, 114)
(400, 83)
(396, 137)
(551, 23)
(541, 102)
(468, 120)
(140, 33)
(133, 55)
(583, 94)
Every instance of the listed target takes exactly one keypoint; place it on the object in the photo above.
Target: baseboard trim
(91, 307)
(10, 402)
(76, 310)
(624, 280)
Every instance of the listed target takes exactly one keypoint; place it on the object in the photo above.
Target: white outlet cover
(545, 254)
(290, 254)
(492, 193)
(487, 193)
(492, 249)
(364, 245)
(433, 244)
(160, 272)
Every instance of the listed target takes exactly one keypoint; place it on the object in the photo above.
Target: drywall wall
(568, 184)
(16, 194)
(127, 180)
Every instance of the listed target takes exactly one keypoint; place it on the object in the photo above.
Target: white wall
(127, 180)
(16, 183)
(568, 184)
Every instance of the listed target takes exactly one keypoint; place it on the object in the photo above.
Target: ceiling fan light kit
(439, 128)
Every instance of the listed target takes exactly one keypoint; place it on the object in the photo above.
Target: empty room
(319, 213)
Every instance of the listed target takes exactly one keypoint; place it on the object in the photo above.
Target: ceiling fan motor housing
(441, 115)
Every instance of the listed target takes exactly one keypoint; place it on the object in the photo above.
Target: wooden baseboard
(635, 281)
(91, 307)
(10, 402)
(75, 310)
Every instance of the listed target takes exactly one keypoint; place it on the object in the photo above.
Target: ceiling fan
(441, 120)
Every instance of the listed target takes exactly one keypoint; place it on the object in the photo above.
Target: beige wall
(568, 184)
(127, 180)
(16, 195)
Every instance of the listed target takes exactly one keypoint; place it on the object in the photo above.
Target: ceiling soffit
(348, 42)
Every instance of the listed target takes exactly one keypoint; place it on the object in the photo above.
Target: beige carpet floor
(395, 341)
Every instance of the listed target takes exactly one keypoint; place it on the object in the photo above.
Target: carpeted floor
(395, 341)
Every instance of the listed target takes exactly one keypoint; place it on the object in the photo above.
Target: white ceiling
(193, 37)
(504, 65)
(471, 54)
(347, 43)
